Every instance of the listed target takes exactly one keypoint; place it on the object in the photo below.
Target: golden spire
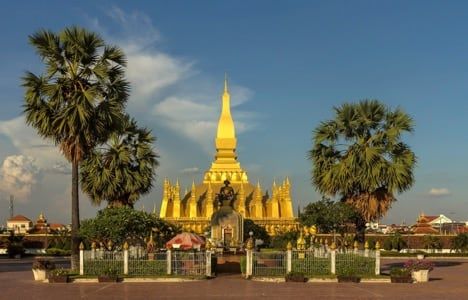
(225, 83)
(226, 128)
(225, 161)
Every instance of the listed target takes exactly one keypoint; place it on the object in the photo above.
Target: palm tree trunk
(75, 239)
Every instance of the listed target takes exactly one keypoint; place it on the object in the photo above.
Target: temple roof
(19, 218)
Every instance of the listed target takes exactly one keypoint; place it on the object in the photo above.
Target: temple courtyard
(447, 281)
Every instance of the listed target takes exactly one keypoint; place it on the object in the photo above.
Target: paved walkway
(449, 280)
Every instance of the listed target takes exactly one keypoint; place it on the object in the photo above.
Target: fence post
(208, 263)
(289, 258)
(81, 258)
(377, 258)
(168, 261)
(125, 253)
(249, 258)
(93, 250)
(333, 258)
(356, 247)
(366, 249)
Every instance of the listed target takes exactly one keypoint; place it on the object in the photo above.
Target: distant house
(438, 221)
(423, 225)
(19, 224)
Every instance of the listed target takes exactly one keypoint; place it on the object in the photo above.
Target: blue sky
(288, 65)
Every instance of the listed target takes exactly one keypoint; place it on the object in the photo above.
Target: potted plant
(400, 275)
(40, 268)
(110, 274)
(420, 269)
(348, 274)
(295, 277)
(58, 276)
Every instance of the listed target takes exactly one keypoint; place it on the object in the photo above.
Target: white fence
(178, 263)
(316, 262)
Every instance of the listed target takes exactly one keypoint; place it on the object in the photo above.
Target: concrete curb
(133, 280)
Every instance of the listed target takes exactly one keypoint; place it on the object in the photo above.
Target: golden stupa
(193, 209)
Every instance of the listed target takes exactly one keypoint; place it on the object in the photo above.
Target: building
(193, 210)
(19, 224)
(423, 225)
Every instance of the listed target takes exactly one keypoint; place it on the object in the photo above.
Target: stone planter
(402, 279)
(39, 274)
(348, 278)
(58, 279)
(421, 275)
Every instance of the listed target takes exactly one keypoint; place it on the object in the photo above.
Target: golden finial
(81, 246)
(356, 244)
(326, 242)
(250, 244)
(125, 246)
(366, 245)
(208, 244)
(225, 83)
(93, 245)
(333, 246)
(109, 245)
(289, 246)
(377, 245)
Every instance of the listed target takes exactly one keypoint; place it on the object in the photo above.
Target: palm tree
(122, 169)
(360, 157)
(78, 99)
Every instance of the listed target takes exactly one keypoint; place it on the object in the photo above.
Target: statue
(226, 194)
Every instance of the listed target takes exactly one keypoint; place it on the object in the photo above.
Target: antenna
(12, 199)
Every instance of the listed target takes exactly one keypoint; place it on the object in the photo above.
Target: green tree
(460, 242)
(432, 242)
(360, 157)
(120, 224)
(122, 169)
(258, 231)
(77, 101)
(328, 216)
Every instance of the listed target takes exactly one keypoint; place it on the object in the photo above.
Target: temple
(193, 209)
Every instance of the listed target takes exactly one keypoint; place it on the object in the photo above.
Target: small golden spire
(289, 246)
(366, 245)
(81, 246)
(125, 246)
(356, 245)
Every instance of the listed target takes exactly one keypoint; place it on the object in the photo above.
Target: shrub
(387, 245)
(311, 265)
(295, 277)
(14, 249)
(43, 264)
(243, 264)
(59, 272)
(460, 243)
(58, 252)
(400, 272)
(432, 242)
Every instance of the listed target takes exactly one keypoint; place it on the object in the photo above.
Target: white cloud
(27, 142)
(439, 192)
(168, 89)
(18, 175)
